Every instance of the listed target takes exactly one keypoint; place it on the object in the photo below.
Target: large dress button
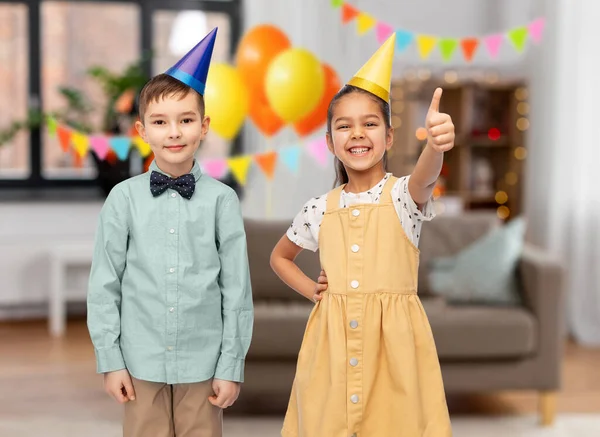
(354, 284)
(353, 362)
(355, 212)
(353, 324)
(355, 248)
(354, 399)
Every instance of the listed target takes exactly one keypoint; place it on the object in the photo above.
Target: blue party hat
(192, 69)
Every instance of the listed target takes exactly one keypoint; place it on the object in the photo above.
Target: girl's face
(358, 132)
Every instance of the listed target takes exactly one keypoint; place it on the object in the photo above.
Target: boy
(170, 306)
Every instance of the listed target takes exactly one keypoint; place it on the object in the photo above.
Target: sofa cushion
(278, 329)
(262, 236)
(485, 271)
(483, 332)
(448, 235)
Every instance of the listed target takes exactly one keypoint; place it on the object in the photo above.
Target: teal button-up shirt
(169, 292)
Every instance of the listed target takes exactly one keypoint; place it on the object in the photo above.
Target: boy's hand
(320, 286)
(226, 393)
(440, 129)
(118, 384)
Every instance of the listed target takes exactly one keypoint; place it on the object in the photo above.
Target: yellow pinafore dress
(368, 365)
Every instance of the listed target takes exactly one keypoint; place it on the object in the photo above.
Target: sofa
(481, 348)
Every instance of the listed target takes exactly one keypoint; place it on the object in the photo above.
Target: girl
(368, 365)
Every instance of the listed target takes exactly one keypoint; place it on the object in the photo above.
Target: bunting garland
(516, 37)
(80, 144)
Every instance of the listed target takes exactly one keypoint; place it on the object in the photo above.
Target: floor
(45, 381)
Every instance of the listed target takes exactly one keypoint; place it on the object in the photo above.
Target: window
(48, 47)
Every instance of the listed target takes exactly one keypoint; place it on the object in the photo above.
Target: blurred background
(515, 310)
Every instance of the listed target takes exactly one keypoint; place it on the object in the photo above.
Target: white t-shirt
(304, 230)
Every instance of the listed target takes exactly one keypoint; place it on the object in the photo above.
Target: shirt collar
(196, 171)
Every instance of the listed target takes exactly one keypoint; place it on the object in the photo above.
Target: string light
(421, 134)
(521, 93)
(396, 121)
(511, 178)
(501, 197)
(494, 134)
(503, 212)
(520, 153)
(424, 74)
(523, 108)
(398, 106)
(450, 76)
(522, 124)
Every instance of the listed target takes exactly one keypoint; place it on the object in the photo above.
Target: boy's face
(174, 128)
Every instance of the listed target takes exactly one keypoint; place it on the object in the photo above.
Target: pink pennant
(536, 28)
(318, 150)
(100, 146)
(215, 168)
(383, 31)
(493, 43)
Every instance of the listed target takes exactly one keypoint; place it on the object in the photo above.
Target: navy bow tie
(184, 185)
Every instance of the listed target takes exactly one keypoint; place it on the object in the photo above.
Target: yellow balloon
(226, 100)
(294, 84)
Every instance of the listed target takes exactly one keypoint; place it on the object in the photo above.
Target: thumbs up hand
(440, 129)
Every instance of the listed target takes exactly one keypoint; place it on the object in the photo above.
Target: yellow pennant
(239, 167)
(142, 146)
(81, 143)
(425, 43)
(364, 23)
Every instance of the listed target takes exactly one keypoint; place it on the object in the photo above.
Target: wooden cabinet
(485, 168)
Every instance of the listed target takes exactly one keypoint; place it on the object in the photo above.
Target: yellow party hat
(376, 75)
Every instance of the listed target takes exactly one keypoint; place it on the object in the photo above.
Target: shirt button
(353, 362)
(170, 348)
(173, 194)
(354, 284)
(172, 231)
(171, 309)
(355, 248)
(171, 270)
(353, 324)
(355, 212)
(354, 399)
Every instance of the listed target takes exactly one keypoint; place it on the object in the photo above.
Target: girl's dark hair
(341, 176)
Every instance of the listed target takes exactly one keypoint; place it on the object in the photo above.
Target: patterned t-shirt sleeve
(408, 211)
(304, 230)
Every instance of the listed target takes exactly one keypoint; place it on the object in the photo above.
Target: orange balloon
(255, 52)
(264, 117)
(318, 116)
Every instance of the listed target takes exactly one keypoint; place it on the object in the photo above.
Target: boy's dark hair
(164, 85)
(341, 176)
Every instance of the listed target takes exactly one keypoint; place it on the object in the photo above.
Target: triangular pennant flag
(383, 32)
(536, 28)
(290, 156)
(239, 167)
(51, 125)
(493, 43)
(267, 161)
(349, 13)
(81, 143)
(337, 3)
(364, 23)
(403, 40)
(518, 37)
(425, 43)
(120, 146)
(100, 146)
(77, 159)
(64, 137)
(469, 46)
(215, 168)
(318, 150)
(142, 146)
(447, 47)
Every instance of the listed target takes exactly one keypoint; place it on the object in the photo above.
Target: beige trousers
(179, 410)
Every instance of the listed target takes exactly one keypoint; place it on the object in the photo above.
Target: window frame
(36, 182)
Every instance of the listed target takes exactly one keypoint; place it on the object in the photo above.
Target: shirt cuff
(301, 242)
(230, 368)
(109, 360)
